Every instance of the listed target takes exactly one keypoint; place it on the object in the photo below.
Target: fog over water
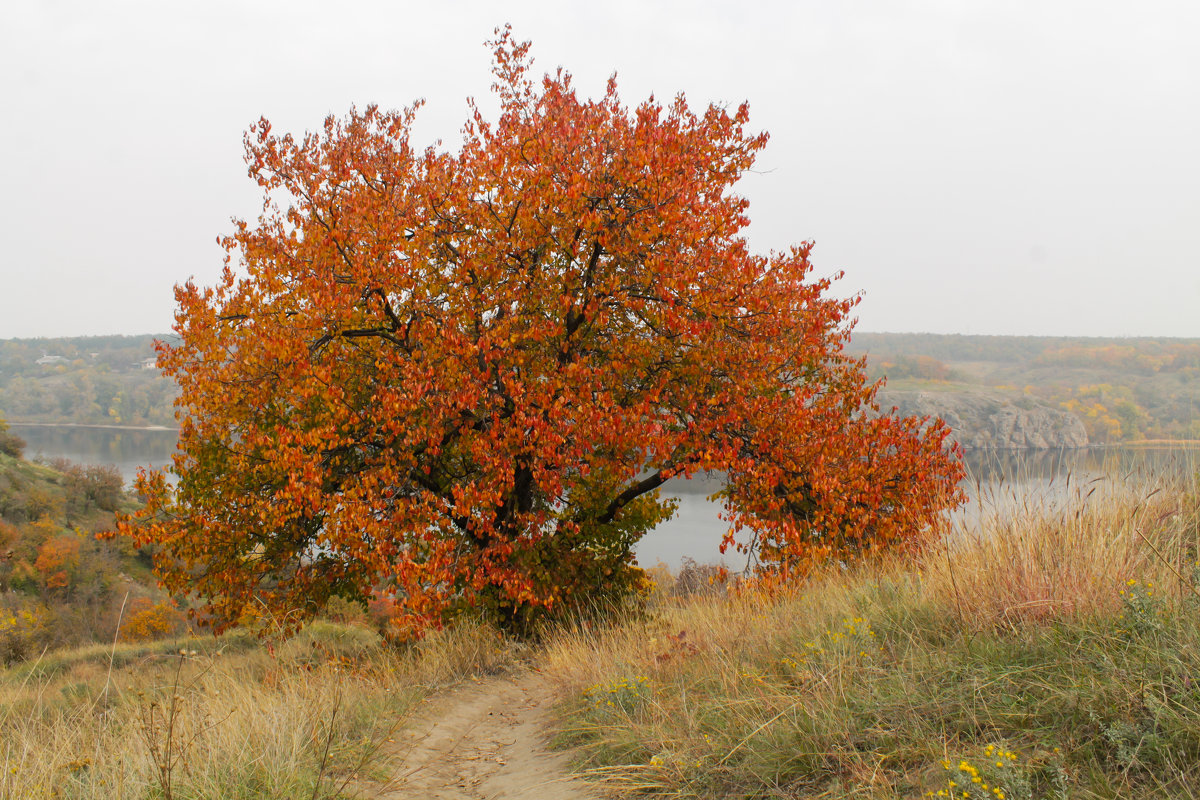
(997, 481)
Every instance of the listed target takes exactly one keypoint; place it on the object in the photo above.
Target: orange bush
(58, 561)
(145, 619)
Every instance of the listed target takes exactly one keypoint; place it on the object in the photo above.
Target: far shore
(15, 424)
(1154, 443)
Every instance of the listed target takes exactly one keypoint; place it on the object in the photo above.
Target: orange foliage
(57, 561)
(457, 379)
(146, 619)
(1108, 413)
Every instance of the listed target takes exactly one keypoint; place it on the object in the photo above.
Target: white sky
(1012, 167)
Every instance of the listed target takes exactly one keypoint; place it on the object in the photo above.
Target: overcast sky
(974, 167)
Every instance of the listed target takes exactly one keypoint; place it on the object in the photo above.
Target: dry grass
(1064, 558)
(221, 719)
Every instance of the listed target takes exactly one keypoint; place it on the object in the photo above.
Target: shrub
(10, 443)
(145, 620)
(23, 630)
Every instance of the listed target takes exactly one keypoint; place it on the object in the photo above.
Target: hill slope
(59, 585)
(1122, 390)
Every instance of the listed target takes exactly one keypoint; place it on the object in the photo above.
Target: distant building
(149, 363)
(49, 361)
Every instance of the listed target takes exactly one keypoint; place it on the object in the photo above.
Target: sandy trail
(485, 741)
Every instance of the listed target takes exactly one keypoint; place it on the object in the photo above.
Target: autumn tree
(452, 379)
(57, 562)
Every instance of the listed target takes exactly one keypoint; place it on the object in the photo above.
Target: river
(996, 479)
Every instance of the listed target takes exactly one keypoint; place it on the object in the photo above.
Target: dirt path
(485, 741)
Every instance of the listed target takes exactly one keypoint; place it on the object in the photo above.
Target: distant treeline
(1021, 349)
(1124, 390)
(84, 379)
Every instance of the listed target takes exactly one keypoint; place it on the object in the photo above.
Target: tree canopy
(455, 379)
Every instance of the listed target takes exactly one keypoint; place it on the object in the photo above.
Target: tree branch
(647, 484)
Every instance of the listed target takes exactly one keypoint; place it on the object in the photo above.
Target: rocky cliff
(985, 420)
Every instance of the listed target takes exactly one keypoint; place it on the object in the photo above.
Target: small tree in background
(457, 379)
(10, 443)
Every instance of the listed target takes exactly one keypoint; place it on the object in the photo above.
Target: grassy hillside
(1124, 390)
(105, 694)
(222, 719)
(1054, 655)
(59, 585)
